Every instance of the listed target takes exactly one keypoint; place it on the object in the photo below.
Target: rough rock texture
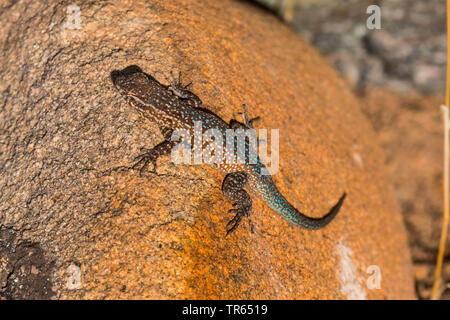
(410, 129)
(67, 140)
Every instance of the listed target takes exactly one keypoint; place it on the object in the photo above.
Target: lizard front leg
(152, 155)
(181, 91)
(232, 189)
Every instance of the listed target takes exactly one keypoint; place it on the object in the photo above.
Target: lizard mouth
(135, 100)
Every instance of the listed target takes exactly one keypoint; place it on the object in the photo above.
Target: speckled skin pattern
(174, 107)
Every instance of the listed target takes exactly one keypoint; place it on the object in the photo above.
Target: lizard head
(133, 84)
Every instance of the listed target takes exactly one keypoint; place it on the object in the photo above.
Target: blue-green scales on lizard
(174, 107)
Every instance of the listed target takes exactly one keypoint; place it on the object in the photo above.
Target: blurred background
(398, 72)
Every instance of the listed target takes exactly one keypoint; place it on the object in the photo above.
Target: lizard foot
(182, 91)
(176, 85)
(234, 223)
(247, 124)
(151, 155)
(145, 158)
(232, 189)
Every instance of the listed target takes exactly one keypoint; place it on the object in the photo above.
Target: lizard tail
(300, 219)
(278, 203)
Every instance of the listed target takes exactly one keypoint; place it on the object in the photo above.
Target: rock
(374, 72)
(348, 69)
(412, 33)
(424, 73)
(68, 141)
(409, 127)
(34, 270)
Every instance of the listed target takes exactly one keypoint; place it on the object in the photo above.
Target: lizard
(174, 107)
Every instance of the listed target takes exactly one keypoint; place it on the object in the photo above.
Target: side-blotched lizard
(173, 107)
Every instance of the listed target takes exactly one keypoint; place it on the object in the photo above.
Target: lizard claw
(176, 85)
(182, 91)
(239, 213)
(234, 223)
(145, 158)
(247, 123)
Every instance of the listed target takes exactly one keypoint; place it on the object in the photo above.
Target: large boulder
(100, 230)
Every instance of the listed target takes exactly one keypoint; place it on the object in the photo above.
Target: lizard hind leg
(233, 190)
